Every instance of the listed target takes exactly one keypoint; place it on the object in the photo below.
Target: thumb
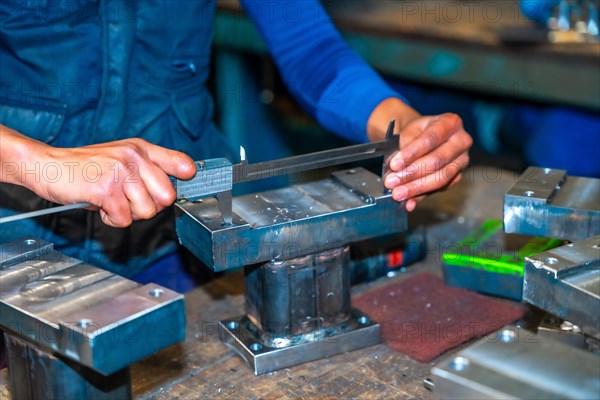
(174, 163)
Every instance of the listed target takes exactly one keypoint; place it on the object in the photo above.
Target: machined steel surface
(546, 202)
(565, 282)
(516, 364)
(287, 223)
(82, 313)
(293, 243)
(287, 300)
(241, 335)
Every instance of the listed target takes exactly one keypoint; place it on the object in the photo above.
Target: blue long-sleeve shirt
(328, 78)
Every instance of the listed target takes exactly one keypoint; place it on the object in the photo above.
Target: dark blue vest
(77, 72)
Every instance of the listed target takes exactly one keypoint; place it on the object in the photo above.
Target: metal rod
(45, 211)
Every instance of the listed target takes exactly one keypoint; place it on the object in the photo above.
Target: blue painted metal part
(496, 70)
(492, 283)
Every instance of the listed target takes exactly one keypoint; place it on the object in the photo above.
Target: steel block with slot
(565, 282)
(83, 324)
(546, 202)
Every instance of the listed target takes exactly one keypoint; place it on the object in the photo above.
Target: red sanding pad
(422, 317)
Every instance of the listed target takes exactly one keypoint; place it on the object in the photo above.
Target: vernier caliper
(216, 176)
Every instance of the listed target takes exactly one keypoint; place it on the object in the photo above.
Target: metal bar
(46, 211)
(306, 162)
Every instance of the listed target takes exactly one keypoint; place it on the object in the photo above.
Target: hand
(126, 180)
(433, 152)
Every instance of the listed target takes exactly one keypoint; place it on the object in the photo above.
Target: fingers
(411, 204)
(444, 158)
(114, 208)
(158, 185)
(434, 152)
(425, 135)
(134, 180)
(430, 182)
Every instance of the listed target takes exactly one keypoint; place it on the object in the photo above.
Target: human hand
(433, 152)
(126, 180)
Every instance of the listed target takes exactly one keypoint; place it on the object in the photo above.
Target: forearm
(126, 180)
(19, 154)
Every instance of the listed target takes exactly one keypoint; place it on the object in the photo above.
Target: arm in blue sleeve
(327, 78)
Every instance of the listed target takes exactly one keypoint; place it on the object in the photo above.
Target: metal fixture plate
(96, 318)
(287, 223)
(241, 336)
(546, 202)
(565, 282)
(516, 364)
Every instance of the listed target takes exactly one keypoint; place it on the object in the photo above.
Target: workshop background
(525, 101)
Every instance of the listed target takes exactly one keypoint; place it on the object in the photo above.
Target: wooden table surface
(202, 367)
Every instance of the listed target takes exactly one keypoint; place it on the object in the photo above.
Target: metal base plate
(235, 333)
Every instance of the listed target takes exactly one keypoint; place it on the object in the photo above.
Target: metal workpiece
(297, 311)
(516, 364)
(546, 202)
(288, 299)
(565, 282)
(294, 242)
(240, 335)
(80, 316)
(286, 223)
